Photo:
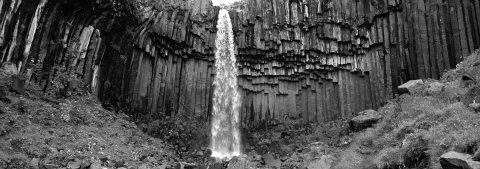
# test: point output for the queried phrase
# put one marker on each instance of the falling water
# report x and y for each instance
(225, 141)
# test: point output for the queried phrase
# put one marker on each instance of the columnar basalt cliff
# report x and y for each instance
(326, 59)
(315, 59)
(144, 56)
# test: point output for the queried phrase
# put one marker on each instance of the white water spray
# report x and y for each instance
(225, 141)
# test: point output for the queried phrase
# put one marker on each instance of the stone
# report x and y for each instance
(435, 88)
(285, 135)
(74, 164)
(454, 160)
(364, 120)
(103, 158)
(96, 165)
(325, 162)
(217, 166)
(10, 68)
(208, 153)
(11, 99)
(152, 159)
(34, 163)
(409, 86)
(119, 163)
(475, 106)
(265, 142)
(476, 155)
(85, 164)
(143, 166)
(17, 85)
(53, 150)
(270, 161)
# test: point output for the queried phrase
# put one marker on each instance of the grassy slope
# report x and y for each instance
(418, 128)
(78, 128)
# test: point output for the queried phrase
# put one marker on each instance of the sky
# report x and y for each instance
(218, 2)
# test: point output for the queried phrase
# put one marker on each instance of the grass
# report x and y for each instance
(75, 128)
(418, 128)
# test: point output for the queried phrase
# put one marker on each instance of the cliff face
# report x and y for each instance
(146, 56)
(315, 59)
(326, 59)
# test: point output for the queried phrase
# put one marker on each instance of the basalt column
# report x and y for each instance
(315, 60)
(320, 60)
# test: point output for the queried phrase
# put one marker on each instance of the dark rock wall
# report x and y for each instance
(326, 59)
(315, 59)
(146, 56)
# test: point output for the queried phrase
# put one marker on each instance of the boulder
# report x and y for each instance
(17, 85)
(476, 156)
(435, 88)
(119, 163)
(409, 86)
(364, 120)
(74, 164)
(9, 100)
(10, 68)
(35, 163)
(96, 165)
(325, 162)
(475, 106)
(454, 160)
(271, 161)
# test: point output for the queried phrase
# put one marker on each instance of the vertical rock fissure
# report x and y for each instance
(225, 142)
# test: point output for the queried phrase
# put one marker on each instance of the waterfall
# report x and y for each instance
(225, 142)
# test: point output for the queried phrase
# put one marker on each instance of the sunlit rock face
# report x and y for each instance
(225, 141)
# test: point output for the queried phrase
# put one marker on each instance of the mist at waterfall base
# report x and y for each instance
(225, 141)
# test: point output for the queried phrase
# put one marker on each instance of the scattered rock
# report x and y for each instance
(453, 160)
(119, 163)
(217, 166)
(265, 142)
(10, 68)
(475, 106)
(435, 88)
(17, 85)
(366, 150)
(285, 135)
(286, 148)
(96, 165)
(47, 164)
(270, 161)
(74, 164)
(467, 80)
(409, 86)
(208, 153)
(152, 159)
(143, 166)
(366, 119)
(476, 156)
(325, 162)
(34, 163)
(344, 141)
(53, 150)
(85, 164)
(103, 158)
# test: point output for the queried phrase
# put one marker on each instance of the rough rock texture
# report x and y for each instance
(148, 55)
(324, 59)
(315, 59)
(454, 160)
(408, 87)
(364, 120)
